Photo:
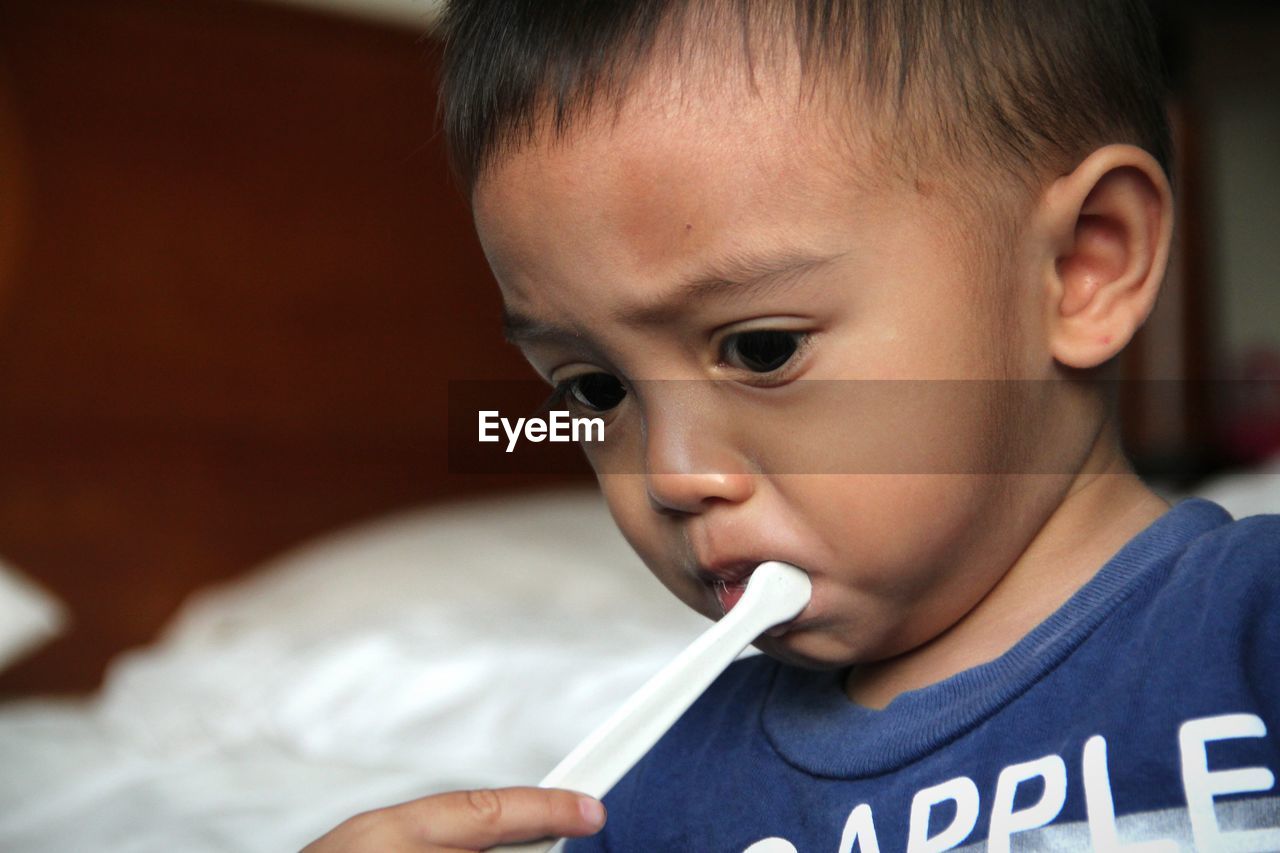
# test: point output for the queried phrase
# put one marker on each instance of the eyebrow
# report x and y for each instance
(520, 328)
(739, 276)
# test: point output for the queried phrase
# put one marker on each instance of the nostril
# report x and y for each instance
(689, 494)
(669, 511)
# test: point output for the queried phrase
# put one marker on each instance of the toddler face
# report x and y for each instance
(690, 271)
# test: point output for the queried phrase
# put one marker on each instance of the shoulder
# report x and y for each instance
(1222, 593)
(1237, 559)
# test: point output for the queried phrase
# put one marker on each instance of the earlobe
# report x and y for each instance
(1111, 225)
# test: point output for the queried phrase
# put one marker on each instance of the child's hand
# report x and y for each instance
(466, 820)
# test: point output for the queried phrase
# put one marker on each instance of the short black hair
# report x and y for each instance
(1029, 86)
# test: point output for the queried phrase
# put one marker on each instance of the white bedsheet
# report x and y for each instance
(438, 649)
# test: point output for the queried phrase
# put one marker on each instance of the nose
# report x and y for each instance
(691, 463)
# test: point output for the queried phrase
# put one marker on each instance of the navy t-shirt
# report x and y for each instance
(1146, 709)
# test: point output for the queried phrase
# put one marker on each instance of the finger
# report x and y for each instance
(484, 817)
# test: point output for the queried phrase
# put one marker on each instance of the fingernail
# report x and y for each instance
(592, 811)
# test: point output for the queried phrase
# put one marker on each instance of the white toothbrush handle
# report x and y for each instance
(597, 763)
(776, 593)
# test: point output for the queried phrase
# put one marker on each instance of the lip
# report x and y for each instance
(728, 572)
(727, 579)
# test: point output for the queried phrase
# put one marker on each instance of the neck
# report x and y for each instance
(1105, 506)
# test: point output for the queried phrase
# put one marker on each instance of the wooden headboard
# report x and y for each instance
(235, 278)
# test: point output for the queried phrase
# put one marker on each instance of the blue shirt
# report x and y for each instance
(1147, 708)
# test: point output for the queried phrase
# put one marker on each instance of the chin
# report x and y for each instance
(809, 650)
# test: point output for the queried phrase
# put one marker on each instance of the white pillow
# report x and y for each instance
(474, 643)
(29, 616)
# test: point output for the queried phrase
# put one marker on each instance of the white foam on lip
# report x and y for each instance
(729, 594)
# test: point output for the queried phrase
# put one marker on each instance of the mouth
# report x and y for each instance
(727, 580)
(729, 592)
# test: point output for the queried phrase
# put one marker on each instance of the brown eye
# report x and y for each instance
(598, 392)
(762, 351)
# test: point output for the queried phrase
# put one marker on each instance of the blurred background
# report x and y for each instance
(235, 280)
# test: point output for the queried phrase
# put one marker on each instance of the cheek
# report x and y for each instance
(653, 538)
(907, 544)
(882, 427)
(640, 525)
(883, 519)
(625, 495)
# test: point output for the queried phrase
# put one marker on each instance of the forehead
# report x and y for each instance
(681, 170)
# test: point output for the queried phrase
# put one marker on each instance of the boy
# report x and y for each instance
(1011, 641)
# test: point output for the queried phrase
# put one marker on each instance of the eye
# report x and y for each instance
(598, 392)
(760, 351)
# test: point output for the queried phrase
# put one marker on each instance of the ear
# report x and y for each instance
(1108, 226)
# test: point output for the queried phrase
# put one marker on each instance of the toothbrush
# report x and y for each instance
(775, 593)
